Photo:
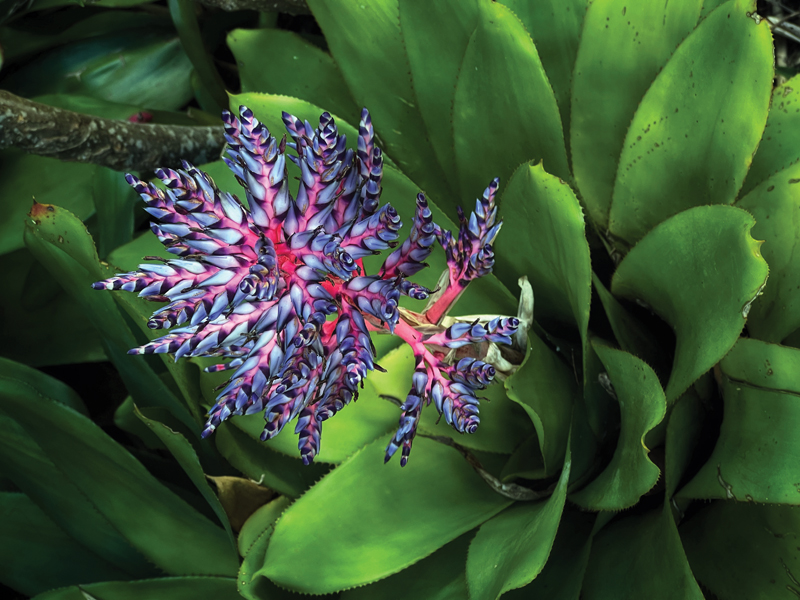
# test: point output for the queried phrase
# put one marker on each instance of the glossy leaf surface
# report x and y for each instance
(758, 449)
(511, 549)
(742, 551)
(502, 75)
(295, 68)
(699, 271)
(642, 406)
(626, 45)
(775, 204)
(672, 159)
(433, 500)
(168, 588)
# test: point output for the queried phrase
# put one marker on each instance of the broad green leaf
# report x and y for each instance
(775, 204)
(437, 577)
(682, 437)
(778, 148)
(511, 549)
(562, 576)
(125, 418)
(160, 525)
(386, 518)
(365, 41)
(18, 374)
(631, 334)
(764, 365)
(166, 588)
(34, 473)
(543, 237)
(699, 271)
(186, 24)
(61, 243)
(41, 324)
(435, 53)
(710, 5)
(640, 557)
(545, 388)
(673, 158)
(262, 464)
(624, 47)
(182, 451)
(504, 111)
(526, 461)
(114, 201)
(253, 542)
(555, 26)
(642, 406)
(758, 448)
(744, 551)
(25, 178)
(23, 39)
(295, 68)
(260, 521)
(31, 541)
(141, 67)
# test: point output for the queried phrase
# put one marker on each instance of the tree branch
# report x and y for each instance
(292, 7)
(121, 145)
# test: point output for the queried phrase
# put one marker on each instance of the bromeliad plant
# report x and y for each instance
(257, 285)
(642, 442)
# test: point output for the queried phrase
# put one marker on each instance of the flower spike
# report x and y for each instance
(277, 288)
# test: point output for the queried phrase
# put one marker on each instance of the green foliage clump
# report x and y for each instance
(644, 445)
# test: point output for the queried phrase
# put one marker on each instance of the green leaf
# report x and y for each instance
(511, 549)
(295, 68)
(61, 243)
(526, 461)
(672, 158)
(543, 237)
(435, 53)
(41, 324)
(710, 5)
(775, 206)
(437, 577)
(144, 67)
(758, 448)
(254, 540)
(545, 388)
(31, 540)
(184, 18)
(25, 463)
(642, 406)
(699, 271)
(631, 334)
(366, 42)
(555, 26)
(168, 588)
(624, 47)
(25, 178)
(386, 519)
(260, 522)
(742, 551)
(260, 463)
(504, 111)
(778, 148)
(114, 200)
(562, 576)
(682, 437)
(183, 452)
(160, 525)
(640, 557)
